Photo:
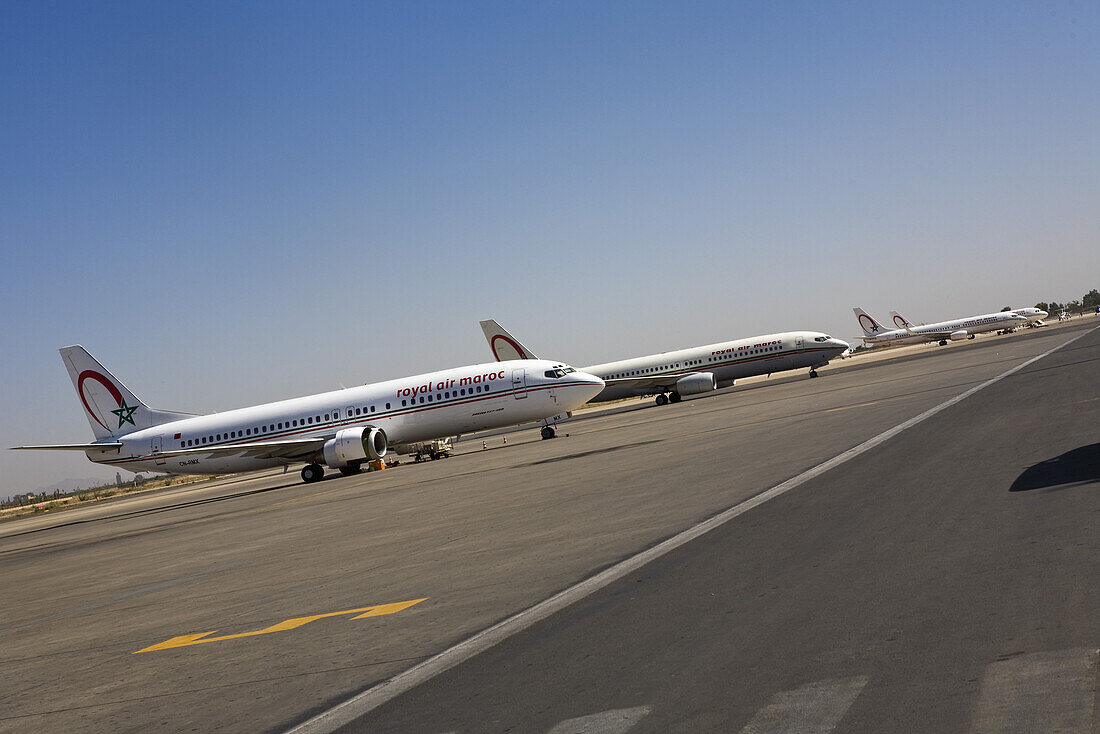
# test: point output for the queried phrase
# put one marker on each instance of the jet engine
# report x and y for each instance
(696, 383)
(958, 335)
(355, 445)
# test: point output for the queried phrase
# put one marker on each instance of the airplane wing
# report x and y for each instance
(653, 382)
(931, 334)
(71, 447)
(291, 448)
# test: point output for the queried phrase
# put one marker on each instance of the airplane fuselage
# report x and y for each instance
(727, 361)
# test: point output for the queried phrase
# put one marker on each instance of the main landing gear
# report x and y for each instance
(548, 432)
(943, 342)
(813, 372)
(351, 469)
(312, 473)
(672, 397)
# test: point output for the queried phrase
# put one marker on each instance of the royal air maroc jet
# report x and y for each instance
(342, 429)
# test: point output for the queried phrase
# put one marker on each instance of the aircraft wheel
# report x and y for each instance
(548, 432)
(943, 343)
(312, 473)
(662, 400)
(674, 397)
(813, 373)
(969, 336)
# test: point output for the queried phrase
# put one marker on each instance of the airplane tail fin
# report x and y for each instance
(109, 405)
(867, 323)
(900, 321)
(504, 345)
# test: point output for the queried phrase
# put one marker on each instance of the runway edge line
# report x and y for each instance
(366, 701)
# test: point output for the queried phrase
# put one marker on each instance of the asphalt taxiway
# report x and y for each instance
(908, 589)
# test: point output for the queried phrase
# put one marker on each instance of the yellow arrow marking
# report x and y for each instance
(199, 638)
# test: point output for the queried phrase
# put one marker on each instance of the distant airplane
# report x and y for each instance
(671, 375)
(342, 429)
(965, 328)
(1034, 316)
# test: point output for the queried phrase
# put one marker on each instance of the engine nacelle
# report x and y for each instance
(353, 445)
(958, 335)
(696, 383)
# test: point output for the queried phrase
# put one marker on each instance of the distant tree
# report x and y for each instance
(1043, 306)
(1073, 306)
(1091, 299)
(1006, 308)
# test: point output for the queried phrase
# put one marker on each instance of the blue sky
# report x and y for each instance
(230, 203)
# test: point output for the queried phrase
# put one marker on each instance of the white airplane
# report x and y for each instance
(957, 329)
(1034, 316)
(671, 375)
(342, 429)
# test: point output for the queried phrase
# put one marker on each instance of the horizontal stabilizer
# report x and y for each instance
(104, 446)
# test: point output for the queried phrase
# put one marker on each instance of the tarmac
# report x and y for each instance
(940, 579)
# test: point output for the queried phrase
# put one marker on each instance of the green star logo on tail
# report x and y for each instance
(125, 414)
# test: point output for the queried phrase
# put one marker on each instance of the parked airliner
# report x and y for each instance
(1032, 316)
(965, 328)
(342, 429)
(671, 375)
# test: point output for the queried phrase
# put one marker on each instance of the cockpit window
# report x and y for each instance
(559, 371)
(822, 338)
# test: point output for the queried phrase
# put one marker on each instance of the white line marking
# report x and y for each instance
(375, 696)
(616, 721)
(812, 709)
(1044, 691)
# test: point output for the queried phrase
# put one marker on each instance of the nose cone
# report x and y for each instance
(1042, 315)
(839, 345)
(577, 388)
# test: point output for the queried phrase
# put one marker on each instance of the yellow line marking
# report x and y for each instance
(199, 638)
(846, 407)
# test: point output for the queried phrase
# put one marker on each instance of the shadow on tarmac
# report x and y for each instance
(1079, 466)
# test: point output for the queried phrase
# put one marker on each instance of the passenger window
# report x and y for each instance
(357, 411)
(319, 417)
(429, 398)
(402, 403)
(387, 406)
(372, 408)
(309, 420)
